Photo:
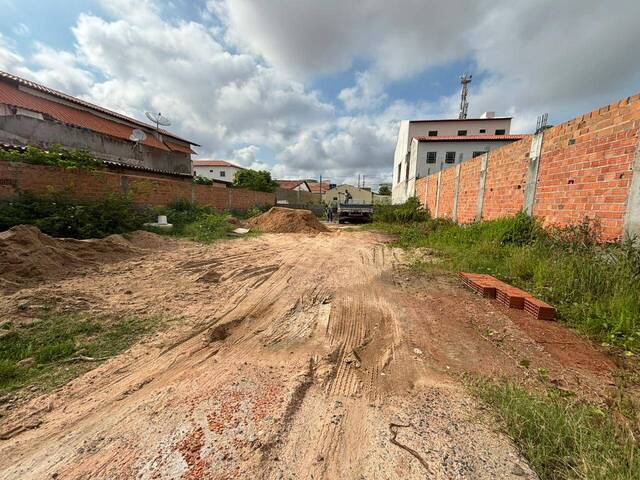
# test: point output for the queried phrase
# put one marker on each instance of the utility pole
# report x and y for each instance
(363, 177)
(465, 80)
(358, 180)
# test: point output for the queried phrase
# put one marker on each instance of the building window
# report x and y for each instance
(210, 171)
(477, 154)
(431, 157)
(223, 173)
(433, 133)
(462, 133)
(483, 130)
(450, 157)
(195, 174)
(500, 131)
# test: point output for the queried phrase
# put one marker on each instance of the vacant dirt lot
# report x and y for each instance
(287, 356)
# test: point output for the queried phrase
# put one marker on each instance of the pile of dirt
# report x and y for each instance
(287, 220)
(28, 256)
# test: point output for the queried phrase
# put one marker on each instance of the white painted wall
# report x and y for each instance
(214, 173)
(464, 151)
(409, 156)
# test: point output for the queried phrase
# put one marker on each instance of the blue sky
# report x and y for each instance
(306, 88)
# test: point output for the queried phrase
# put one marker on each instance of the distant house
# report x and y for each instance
(338, 194)
(317, 187)
(215, 170)
(33, 114)
(295, 185)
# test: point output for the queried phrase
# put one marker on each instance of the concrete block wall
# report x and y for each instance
(142, 188)
(585, 168)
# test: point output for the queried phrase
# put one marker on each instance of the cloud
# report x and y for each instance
(237, 79)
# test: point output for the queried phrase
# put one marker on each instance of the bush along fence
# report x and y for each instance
(140, 187)
(588, 167)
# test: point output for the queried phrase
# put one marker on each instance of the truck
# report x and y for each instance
(354, 213)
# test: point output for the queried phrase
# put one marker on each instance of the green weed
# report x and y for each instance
(561, 437)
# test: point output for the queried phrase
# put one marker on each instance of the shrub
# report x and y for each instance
(407, 212)
(56, 156)
(522, 230)
(60, 216)
(208, 228)
(200, 180)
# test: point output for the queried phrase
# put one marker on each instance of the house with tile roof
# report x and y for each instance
(219, 170)
(33, 114)
(427, 146)
(296, 185)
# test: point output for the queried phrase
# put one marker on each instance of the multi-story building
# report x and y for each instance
(220, 170)
(427, 146)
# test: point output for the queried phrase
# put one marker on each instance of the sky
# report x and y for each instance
(305, 88)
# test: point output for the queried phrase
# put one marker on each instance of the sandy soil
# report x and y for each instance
(286, 356)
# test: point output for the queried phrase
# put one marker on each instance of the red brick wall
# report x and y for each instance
(468, 193)
(586, 167)
(506, 176)
(143, 188)
(447, 189)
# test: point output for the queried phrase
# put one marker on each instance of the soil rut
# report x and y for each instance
(288, 356)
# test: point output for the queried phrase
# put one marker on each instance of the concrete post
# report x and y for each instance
(631, 227)
(426, 192)
(124, 185)
(456, 191)
(435, 215)
(484, 163)
(532, 173)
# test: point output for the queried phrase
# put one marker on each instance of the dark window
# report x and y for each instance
(194, 173)
(500, 131)
(433, 133)
(223, 173)
(450, 157)
(210, 171)
(431, 157)
(477, 154)
(462, 133)
(399, 171)
(482, 130)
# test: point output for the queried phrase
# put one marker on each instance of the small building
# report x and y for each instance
(338, 194)
(319, 187)
(220, 170)
(427, 146)
(295, 185)
(36, 115)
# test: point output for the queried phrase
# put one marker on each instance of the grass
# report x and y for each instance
(47, 346)
(561, 437)
(202, 224)
(595, 287)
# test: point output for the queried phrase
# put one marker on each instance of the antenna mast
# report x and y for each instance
(464, 105)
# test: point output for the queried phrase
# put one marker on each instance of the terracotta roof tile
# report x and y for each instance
(214, 163)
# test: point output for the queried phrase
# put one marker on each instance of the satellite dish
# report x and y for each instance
(137, 135)
(158, 119)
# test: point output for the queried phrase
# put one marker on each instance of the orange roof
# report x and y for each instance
(214, 163)
(315, 187)
(290, 184)
(466, 138)
(11, 94)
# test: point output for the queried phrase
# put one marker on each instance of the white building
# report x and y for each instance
(427, 146)
(215, 170)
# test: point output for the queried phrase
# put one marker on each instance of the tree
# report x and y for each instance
(384, 190)
(259, 180)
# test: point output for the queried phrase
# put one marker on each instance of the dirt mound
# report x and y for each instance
(28, 256)
(287, 220)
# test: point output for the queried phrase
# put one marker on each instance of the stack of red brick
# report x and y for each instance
(512, 297)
